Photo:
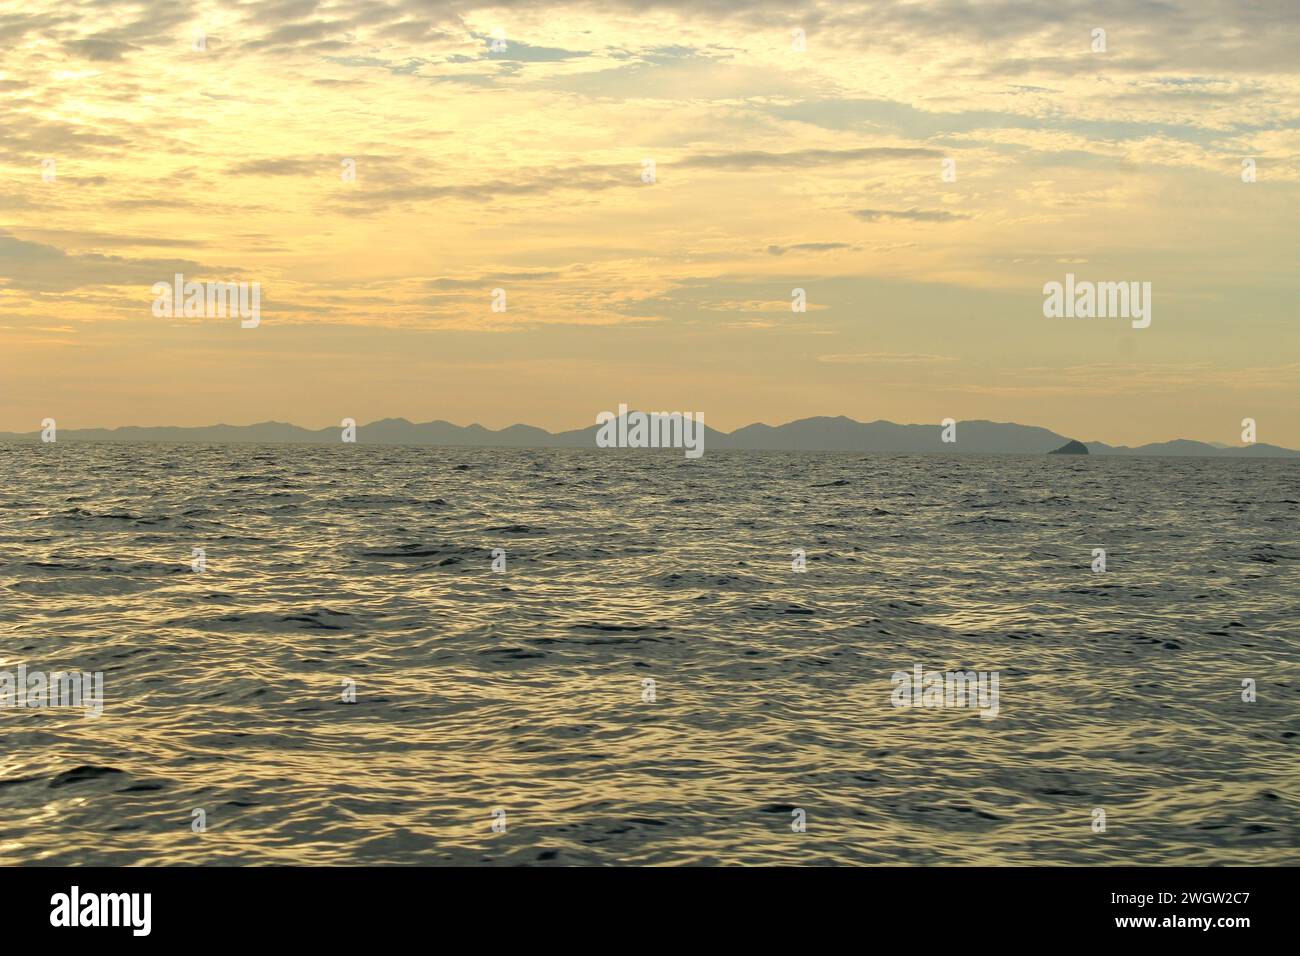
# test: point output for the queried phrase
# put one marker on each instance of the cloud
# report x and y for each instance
(910, 215)
(489, 280)
(885, 358)
(29, 138)
(100, 49)
(34, 266)
(283, 166)
(802, 159)
(82, 238)
(536, 182)
(808, 247)
(292, 34)
(525, 53)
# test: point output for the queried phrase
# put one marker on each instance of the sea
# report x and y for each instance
(366, 655)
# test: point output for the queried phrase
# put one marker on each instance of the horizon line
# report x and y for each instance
(1218, 446)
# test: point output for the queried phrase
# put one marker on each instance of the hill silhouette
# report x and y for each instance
(821, 433)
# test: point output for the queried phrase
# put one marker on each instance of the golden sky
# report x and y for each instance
(521, 168)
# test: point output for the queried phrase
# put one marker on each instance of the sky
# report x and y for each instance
(920, 170)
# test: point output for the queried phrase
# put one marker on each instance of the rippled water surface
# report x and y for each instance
(523, 691)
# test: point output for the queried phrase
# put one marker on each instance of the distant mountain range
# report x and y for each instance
(806, 434)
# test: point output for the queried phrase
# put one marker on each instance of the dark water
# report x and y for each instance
(523, 691)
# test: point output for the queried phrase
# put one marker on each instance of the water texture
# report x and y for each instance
(523, 691)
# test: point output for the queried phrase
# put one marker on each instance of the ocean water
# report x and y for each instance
(524, 692)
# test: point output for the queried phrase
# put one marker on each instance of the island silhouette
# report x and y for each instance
(820, 433)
